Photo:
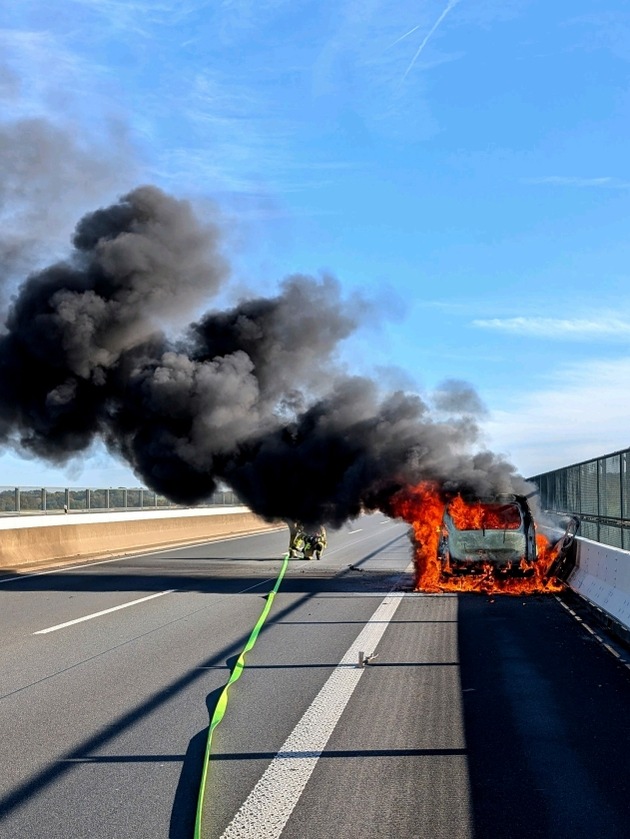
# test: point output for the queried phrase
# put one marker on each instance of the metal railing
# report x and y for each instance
(50, 500)
(597, 491)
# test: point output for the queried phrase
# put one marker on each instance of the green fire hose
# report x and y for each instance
(221, 706)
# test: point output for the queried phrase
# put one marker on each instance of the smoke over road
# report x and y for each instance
(251, 396)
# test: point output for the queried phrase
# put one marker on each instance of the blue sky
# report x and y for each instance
(464, 164)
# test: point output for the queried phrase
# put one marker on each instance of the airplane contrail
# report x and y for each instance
(402, 37)
(449, 6)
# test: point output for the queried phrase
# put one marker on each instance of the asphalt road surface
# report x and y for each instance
(480, 717)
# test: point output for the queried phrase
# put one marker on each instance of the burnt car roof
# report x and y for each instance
(503, 498)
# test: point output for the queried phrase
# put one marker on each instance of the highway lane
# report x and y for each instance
(481, 717)
(125, 692)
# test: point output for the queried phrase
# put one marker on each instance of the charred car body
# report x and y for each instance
(477, 533)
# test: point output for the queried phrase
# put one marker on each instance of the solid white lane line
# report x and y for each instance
(268, 807)
(103, 612)
(358, 530)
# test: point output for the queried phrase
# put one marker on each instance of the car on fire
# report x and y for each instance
(481, 534)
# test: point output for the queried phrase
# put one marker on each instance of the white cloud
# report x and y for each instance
(603, 327)
(560, 180)
(135, 14)
(583, 413)
(41, 67)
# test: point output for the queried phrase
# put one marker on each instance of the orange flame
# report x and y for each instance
(477, 516)
(423, 507)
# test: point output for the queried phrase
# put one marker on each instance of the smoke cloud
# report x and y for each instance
(252, 396)
(47, 173)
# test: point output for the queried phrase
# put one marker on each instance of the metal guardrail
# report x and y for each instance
(16, 501)
(597, 491)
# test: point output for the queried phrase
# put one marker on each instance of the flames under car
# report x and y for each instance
(477, 534)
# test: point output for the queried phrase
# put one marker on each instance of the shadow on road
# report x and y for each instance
(546, 734)
(183, 814)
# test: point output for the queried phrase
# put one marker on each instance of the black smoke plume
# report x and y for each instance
(252, 396)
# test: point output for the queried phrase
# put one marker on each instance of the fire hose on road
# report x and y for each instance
(222, 703)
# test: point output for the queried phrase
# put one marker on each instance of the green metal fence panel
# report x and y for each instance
(573, 488)
(610, 535)
(625, 484)
(597, 491)
(588, 488)
(610, 486)
(51, 500)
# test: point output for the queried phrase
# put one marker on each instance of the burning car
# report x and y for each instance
(478, 535)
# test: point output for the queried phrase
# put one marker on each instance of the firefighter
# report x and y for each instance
(296, 537)
(318, 541)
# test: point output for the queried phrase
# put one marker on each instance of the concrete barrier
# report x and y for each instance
(44, 539)
(602, 576)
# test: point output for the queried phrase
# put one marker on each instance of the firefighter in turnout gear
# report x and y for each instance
(318, 541)
(297, 538)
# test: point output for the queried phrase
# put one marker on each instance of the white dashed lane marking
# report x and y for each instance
(102, 612)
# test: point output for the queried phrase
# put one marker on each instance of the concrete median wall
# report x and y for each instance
(44, 539)
(602, 576)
